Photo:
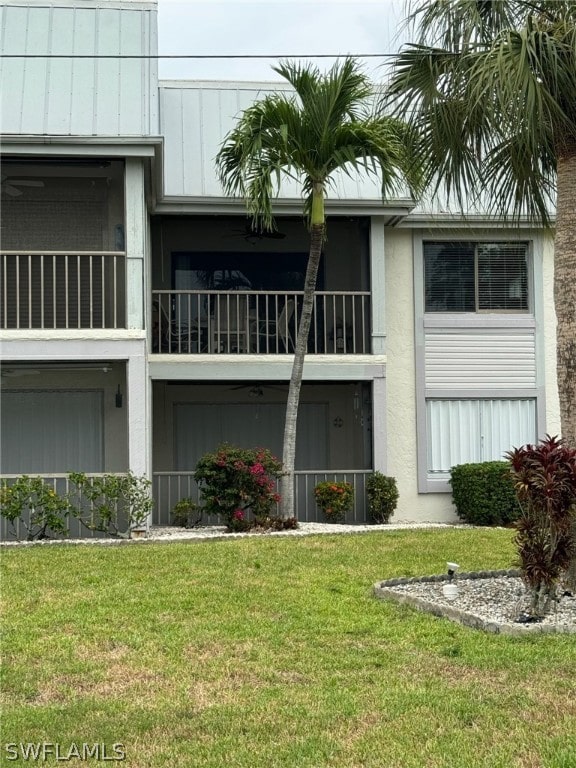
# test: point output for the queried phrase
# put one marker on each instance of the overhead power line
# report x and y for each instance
(194, 56)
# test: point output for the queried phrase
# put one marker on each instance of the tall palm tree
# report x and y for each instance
(323, 126)
(490, 85)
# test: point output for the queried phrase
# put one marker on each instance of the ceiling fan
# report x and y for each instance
(12, 186)
(257, 390)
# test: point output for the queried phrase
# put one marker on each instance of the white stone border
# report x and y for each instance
(384, 590)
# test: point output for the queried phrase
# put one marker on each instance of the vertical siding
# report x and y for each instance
(194, 120)
(79, 96)
(470, 431)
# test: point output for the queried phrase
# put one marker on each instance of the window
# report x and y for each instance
(470, 431)
(475, 277)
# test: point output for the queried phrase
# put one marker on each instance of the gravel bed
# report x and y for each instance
(175, 533)
(496, 602)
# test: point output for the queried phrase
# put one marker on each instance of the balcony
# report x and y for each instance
(258, 322)
(60, 289)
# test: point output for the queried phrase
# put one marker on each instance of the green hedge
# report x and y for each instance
(484, 494)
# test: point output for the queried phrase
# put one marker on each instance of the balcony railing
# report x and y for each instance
(258, 322)
(57, 289)
(169, 487)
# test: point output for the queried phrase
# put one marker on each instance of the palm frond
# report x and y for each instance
(492, 110)
(323, 126)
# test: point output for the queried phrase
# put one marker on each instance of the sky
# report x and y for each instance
(278, 27)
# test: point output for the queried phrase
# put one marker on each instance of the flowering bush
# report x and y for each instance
(36, 506)
(239, 484)
(334, 499)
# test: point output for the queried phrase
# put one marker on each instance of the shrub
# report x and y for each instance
(186, 513)
(382, 493)
(545, 482)
(118, 503)
(36, 505)
(334, 499)
(239, 484)
(483, 494)
(274, 523)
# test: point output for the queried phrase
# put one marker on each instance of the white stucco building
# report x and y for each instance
(143, 323)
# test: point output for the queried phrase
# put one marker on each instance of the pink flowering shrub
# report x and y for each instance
(334, 499)
(239, 485)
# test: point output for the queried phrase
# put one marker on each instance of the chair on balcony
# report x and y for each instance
(275, 335)
(169, 335)
(230, 323)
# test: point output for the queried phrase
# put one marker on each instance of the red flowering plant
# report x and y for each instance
(334, 499)
(239, 485)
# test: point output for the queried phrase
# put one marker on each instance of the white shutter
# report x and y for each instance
(470, 431)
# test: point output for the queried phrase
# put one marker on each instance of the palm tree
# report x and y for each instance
(323, 126)
(490, 85)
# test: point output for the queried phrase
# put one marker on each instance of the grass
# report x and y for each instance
(265, 652)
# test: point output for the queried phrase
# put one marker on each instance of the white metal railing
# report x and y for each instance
(62, 289)
(169, 487)
(261, 322)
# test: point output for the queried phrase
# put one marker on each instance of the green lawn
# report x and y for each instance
(269, 651)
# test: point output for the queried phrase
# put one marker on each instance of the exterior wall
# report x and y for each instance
(401, 387)
(405, 347)
(82, 96)
(194, 119)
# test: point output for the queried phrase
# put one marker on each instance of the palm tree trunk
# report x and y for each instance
(565, 304)
(289, 446)
(565, 291)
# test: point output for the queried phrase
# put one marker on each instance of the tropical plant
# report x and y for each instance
(34, 505)
(117, 503)
(322, 127)
(545, 481)
(239, 484)
(334, 499)
(490, 85)
(382, 494)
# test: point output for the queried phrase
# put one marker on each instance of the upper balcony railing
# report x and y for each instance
(258, 322)
(60, 289)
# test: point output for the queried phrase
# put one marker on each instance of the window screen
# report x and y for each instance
(52, 431)
(475, 277)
